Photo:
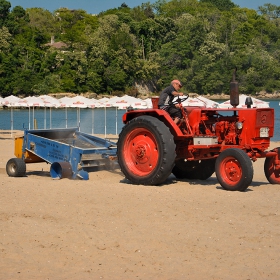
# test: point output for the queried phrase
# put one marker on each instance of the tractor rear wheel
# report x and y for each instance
(234, 170)
(146, 151)
(16, 167)
(272, 173)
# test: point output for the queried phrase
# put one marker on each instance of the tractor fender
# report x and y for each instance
(157, 113)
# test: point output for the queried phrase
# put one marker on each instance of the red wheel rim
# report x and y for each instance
(140, 152)
(231, 171)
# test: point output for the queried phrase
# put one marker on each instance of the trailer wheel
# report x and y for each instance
(201, 170)
(234, 170)
(272, 173)
(146, 151)
(16, 167)
(185, 169)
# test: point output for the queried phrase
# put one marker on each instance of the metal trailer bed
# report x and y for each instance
(71, 153)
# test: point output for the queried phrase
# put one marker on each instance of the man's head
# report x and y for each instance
(176, 84)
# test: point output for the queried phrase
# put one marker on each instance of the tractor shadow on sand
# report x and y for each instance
(212, 181)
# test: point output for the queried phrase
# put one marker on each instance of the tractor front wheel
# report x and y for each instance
(234, 170)
(271, 170)
(146, 151)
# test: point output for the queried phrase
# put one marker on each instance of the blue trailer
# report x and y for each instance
(71, 153)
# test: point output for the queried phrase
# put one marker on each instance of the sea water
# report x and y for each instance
(91, 121)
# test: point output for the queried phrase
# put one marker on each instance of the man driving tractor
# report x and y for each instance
(166, 97)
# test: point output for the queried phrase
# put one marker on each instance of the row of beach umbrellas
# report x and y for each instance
(74, 102)
(119, 102)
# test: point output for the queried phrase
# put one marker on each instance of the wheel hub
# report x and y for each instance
(232, 170)
(141, 154)
(140, 151)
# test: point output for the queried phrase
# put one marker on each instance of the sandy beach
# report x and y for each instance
(106, 228)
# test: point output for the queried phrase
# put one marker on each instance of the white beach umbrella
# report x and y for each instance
(49, 102)
(257, 103)
(119, 102)
(208, 102)
(149, 103)
(74, 102)
(79, 102)
(10, 101)
(65, 102)
(133, 101)
(137, 103)
(1, 100)
(33, 101)
(105, 103)
(192, 101)
(92, 103)
(140, 104)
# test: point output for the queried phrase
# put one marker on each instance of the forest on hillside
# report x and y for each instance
(198, 42)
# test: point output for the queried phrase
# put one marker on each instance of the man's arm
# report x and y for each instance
(176, 93)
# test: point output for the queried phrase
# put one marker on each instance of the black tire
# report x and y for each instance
(271, 173)
(201, 170)
(234, 170)
(205, 169)
(185, 169)
(16, 167)
(146, 151)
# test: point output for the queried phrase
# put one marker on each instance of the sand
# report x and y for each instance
(106, 228)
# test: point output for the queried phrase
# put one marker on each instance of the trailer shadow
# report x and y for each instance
(38, 173)
(47, 173)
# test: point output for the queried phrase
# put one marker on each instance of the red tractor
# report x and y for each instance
(226, 141)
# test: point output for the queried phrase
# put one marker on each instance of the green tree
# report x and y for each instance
(5, 39)
(43, 21)
(4, 11)
(270, 11)
(222, 5)
(17, 20)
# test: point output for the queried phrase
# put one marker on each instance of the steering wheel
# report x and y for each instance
(180, 100)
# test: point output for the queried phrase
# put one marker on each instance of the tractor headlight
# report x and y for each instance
(239, 125)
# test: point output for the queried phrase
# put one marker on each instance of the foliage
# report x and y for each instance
(198, 42)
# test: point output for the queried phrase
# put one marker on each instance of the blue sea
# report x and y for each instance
(92, 121)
